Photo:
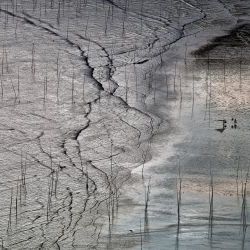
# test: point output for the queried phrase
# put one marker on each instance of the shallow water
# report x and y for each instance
(112, 130)
(192, 140)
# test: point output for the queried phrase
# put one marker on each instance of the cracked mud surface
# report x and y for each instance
(86, 114)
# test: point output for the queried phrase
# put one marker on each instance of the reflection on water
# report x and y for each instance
(199, 187)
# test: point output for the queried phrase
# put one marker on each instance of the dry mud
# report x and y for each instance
(109, 126)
